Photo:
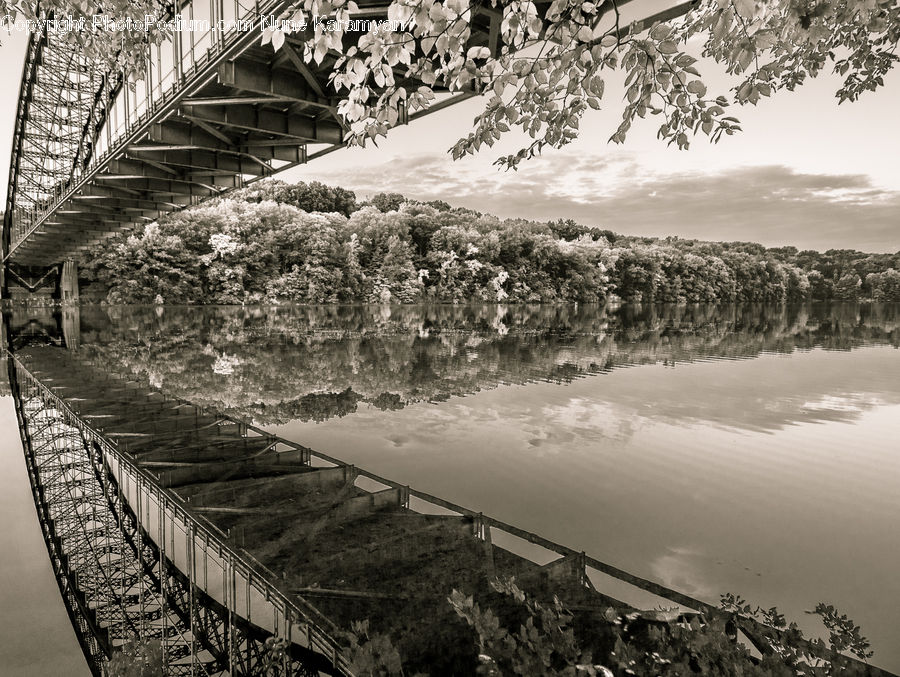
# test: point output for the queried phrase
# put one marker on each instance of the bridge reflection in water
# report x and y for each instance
(166, 521)
(132, 560)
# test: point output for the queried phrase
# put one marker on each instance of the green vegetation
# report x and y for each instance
(517, 634)
(546, 641)
(309, 243)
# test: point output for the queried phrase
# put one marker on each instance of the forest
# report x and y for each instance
(275, 243)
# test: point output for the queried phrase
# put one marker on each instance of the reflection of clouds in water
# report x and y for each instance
(762, 395)
(552, 438)
(681, 568)
(546, 430)
(855, 403)
(765, 395)
(424, 425)
(580, 419)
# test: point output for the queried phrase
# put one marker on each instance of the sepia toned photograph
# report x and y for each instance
(450, 338)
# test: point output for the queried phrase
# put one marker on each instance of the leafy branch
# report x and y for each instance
(549, 65)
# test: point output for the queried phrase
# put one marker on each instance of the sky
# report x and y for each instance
(804, 171)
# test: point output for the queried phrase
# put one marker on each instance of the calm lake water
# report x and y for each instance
(753, 450)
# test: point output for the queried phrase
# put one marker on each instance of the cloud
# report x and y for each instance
(771, 204)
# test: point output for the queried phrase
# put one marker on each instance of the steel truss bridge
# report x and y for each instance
(92, 157)
(156, 515)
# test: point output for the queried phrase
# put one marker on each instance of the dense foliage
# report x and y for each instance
(545, 64)
(309, 243)
(519, 634)
(543, 639)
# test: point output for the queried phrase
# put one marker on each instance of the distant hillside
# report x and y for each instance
(309, 243)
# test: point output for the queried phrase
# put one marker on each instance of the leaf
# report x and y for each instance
(277, 39)
(765, 39)
(320, 51)
(697, 87)
(660, 32)
(746, 8)
(721, 27)
(458, 6)
(667, 47)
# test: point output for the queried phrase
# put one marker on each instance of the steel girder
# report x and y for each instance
(73, 119)
(109, 592)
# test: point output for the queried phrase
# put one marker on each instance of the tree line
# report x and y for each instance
(275, 242)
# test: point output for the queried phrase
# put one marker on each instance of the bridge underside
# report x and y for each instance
(252, 119)
(234, 113)
(94, 156)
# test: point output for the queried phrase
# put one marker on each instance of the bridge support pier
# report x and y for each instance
(68, 282)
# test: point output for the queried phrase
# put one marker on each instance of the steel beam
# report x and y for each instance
(261, 79)
(264, 121)
(174, 135)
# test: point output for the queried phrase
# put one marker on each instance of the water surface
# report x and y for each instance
(714, 449)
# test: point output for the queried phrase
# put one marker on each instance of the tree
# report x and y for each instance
(248, 247)
(387, 202)
(546, 66)
(310, 197)
(137, 268)
(847, 287)
(885, 286)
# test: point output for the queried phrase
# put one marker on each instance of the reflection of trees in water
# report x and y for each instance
(313, 363)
